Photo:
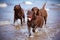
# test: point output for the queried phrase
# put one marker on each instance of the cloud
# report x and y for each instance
(3, 5)
(27, 3)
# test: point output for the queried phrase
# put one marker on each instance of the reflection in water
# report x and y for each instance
(9, 32)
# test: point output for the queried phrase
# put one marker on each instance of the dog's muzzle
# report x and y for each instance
(29, 19)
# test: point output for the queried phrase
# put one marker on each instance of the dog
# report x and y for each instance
(42, 12)
(34, 21)
(19, 13)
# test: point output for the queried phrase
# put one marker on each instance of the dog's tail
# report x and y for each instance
(44, 5)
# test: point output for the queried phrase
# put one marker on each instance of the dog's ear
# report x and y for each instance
(14, 8)
(32, 9)
(38, 9)
(19, 5)
(37, 12)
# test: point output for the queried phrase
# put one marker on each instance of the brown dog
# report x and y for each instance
(18, 13)
(42, 12)
(34, 21)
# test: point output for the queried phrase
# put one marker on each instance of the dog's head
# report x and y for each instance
(30, 15)
(35, 10)
(17, 8)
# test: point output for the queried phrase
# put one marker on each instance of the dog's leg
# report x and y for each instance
(29, 28)
(14, 20)
(21, 21)
(33, 30)
(24, 19)
(45, 19)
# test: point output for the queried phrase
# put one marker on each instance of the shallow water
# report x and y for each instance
(10, 32)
